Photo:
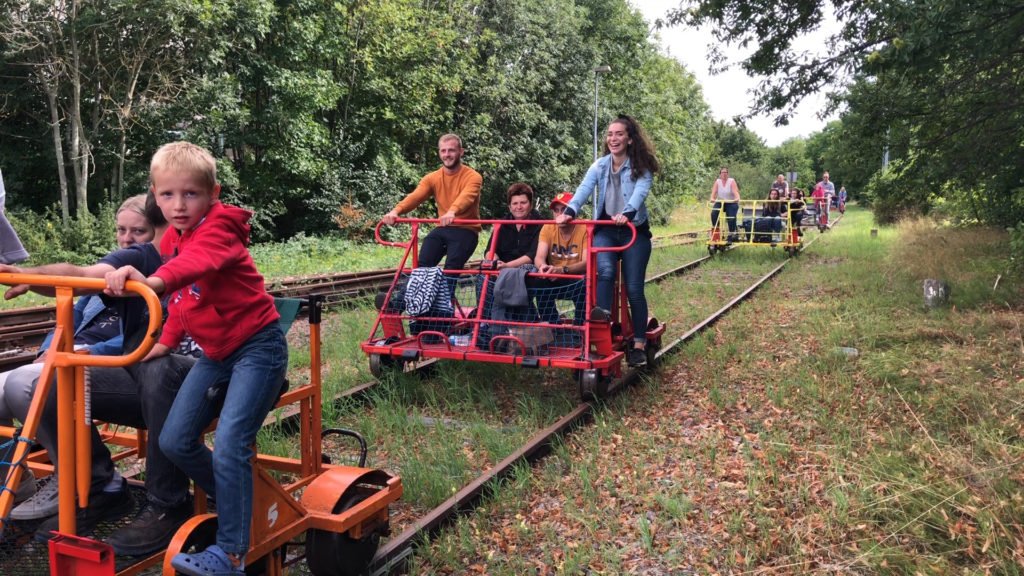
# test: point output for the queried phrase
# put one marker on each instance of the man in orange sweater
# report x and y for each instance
(455, 188)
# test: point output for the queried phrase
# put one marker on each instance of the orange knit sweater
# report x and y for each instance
(459, 192)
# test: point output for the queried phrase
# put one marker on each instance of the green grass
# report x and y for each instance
(799, 458)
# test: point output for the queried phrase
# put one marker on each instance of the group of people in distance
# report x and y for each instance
(221, 352)
(622, 179)
(725, 197)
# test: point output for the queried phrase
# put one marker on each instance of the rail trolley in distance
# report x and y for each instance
(342, 511)
(470, 317)
(752, 228)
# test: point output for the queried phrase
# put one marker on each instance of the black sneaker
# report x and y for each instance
(151, 530)
(636, 357)
(103, 507)
(599, 314)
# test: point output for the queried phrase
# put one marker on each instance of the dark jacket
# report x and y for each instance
(513, 243)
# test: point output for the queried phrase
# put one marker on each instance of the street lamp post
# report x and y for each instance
(597, 78)
(603, 69)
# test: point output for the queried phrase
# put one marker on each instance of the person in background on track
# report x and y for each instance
(725, 195)
(781, 186)
(455, 188)
(818, 196)
(796, 209)
(219, 298)
(773, 211)
(828, 191)
(622, 178)
(842, 199)
(561, 250)
(97, 328)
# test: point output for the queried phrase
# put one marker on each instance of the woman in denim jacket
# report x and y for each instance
(622, 178)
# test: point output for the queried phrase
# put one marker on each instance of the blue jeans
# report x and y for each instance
(547, 292)
(254, 374)
(634, 270)
(731, 208)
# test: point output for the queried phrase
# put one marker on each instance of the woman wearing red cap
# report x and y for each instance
(622, 178)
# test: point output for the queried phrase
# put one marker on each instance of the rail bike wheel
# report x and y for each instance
(334, 554)
(652, 353)
(592, 384)
(380, 365)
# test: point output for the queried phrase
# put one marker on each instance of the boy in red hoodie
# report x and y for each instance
(217, 297)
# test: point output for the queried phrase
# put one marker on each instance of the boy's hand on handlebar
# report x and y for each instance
(389, 218)
(447, 218)
(562, 219)
(619, 219)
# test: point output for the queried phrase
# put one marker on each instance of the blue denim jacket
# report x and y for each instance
(634, 192)
(85, 310)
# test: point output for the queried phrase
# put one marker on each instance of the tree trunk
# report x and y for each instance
(58, 148)
(80, 152)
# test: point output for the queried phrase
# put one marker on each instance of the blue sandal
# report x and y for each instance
(210, 562)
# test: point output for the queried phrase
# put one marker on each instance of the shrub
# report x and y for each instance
(1017, 246)
(83, 240)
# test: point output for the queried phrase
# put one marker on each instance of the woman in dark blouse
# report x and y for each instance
(517, 245)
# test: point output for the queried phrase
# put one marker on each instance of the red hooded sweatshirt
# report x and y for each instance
(216, 295)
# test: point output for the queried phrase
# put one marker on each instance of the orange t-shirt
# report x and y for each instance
(459, 192)
(565, 252)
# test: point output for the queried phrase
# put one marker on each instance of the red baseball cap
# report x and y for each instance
(562, 198)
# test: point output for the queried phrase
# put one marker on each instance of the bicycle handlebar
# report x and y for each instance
(98, 284)
(417, 221)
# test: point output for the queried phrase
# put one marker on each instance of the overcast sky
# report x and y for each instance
(728, 93)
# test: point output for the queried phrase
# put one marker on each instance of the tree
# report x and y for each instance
(93, 61)
(941, 80)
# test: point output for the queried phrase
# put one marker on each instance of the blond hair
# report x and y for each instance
(447, 137)
(186, 156)
(135, 204)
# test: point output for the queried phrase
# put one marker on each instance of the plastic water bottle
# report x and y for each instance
(459, 340)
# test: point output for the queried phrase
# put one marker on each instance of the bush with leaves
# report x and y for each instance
(83, 240)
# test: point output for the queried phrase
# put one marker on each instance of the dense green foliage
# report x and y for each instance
(324, 114)
(939, 83)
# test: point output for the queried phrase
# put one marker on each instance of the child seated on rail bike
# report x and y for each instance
(218, 297)
(562, 249)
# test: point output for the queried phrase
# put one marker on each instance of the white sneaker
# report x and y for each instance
(27, 486)
(45, 503)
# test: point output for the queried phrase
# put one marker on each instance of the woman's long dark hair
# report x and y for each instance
(640, 152)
